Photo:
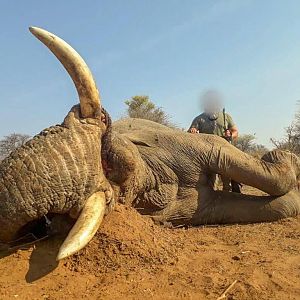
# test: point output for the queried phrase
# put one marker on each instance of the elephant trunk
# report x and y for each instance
(276, 173)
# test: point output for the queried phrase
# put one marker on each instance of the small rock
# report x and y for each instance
(236, 257)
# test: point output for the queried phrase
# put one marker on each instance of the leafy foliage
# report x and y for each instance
(142, 108)
(11, 142)
(291, 140)
(246, 143)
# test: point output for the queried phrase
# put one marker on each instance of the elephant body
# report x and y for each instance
(168, 175)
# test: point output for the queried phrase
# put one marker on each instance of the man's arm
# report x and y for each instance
(194, 128)
(232, 130)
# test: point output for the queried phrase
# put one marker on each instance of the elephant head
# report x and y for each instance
(60, 170)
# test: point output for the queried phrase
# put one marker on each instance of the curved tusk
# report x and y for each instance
(77, 69)
(85, 227)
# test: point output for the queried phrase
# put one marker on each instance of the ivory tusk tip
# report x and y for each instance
(85, 227)
(39, 32)
(77, 69)
(68, 249)
(33, 29)
(63, 254)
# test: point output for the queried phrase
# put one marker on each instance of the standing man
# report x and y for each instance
(214, 121)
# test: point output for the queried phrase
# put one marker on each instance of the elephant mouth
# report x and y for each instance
(78, 234)
(29, 234)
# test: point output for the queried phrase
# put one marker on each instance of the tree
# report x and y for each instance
(11, 142)
(291, 139)
(142, 108)
(246, 143)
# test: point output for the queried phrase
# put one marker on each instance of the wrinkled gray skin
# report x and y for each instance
(55, 172)
(166, 173)
(160, 171)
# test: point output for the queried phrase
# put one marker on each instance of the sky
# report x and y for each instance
(170, 50)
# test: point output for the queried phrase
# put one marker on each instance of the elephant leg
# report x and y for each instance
(181, 209)
(220, 207)
(276, 173)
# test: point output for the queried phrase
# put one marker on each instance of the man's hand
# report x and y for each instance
(193, 130)
(231, 134)
(227, 133)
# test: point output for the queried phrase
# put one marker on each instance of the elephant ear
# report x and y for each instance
(139, 139)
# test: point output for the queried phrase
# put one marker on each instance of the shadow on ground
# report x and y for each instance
(44, 248)
(43, 259)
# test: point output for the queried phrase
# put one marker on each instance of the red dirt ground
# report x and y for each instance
(131, 258)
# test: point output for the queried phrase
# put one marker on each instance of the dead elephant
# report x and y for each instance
(85, 164)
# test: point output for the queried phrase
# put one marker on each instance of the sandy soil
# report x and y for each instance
(131, 258)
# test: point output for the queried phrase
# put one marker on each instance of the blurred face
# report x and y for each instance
(211, 103)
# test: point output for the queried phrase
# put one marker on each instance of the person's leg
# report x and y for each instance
(212, 181)
(226, 183)
(235, 187)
